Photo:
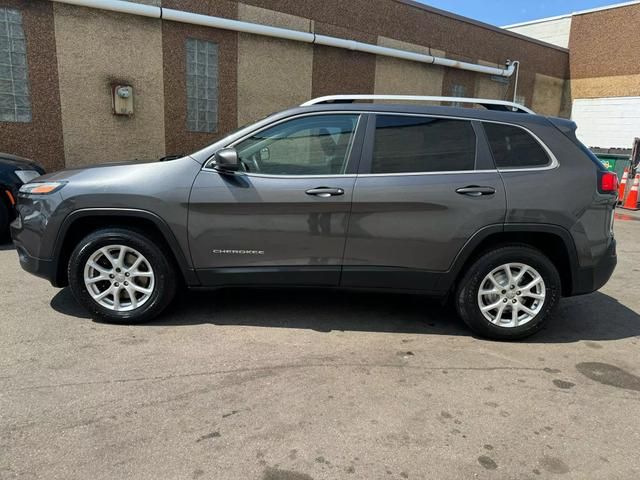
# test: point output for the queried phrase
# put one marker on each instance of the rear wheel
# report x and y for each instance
(121, 276)
(508, 293)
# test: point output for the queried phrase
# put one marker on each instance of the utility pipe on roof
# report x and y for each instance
(284, 33)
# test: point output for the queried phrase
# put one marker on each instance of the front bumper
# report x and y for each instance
(33, 236)
(590, 279)
(44, 268)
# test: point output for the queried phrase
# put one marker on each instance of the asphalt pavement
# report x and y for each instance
(313, 384)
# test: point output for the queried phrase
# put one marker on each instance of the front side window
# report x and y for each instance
(202, 86)
(405, 144)
(15, 102)
(513, 147)
(313, 145)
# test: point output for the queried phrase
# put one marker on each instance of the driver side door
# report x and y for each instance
(283, 218)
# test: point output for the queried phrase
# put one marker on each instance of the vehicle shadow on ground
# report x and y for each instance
(591, 317)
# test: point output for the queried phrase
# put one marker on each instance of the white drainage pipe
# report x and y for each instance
(284, 33)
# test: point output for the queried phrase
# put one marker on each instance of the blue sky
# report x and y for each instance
(505, 12)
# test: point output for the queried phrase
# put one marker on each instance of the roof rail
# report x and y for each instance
(488, 103)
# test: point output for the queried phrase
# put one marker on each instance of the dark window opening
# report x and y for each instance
(405, 144)
(513, 147)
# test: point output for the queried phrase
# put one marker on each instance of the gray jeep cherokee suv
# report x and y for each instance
(502, 211)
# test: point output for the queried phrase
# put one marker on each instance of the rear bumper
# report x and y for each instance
(587, 280)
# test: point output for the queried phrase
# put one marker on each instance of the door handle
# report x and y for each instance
(474, 191)
(325, 192)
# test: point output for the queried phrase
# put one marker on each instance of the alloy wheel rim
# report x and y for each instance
(119, 278)
(511, 295)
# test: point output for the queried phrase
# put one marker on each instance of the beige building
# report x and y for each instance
(82, 85)
(604, 79)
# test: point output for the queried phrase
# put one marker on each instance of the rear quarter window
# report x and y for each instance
(513, 147)
(408, 144)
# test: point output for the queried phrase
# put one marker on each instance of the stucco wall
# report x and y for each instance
(419, 24)
(487, 87)
(273, 74)
(605, 43)
(547, 95)
(95, 50)
(402, 77)
(611, 86)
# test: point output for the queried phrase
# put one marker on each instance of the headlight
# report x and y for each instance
(41, 188)
(26, 176)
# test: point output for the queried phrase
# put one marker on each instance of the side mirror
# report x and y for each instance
(226, 160)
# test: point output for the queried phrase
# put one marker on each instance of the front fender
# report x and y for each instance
(182, 257)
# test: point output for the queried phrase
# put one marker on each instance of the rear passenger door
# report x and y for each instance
(426, 185)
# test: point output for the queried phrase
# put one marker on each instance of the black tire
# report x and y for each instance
(466, 297)
(159, 260)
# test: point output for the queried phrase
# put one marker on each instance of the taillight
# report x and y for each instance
(607, 182)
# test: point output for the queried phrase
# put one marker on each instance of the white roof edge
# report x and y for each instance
(580, 12)
(419, 98)
(538, 20)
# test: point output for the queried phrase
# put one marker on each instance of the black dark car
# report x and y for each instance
(14, 171)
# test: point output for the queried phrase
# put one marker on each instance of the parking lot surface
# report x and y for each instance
(312, 384)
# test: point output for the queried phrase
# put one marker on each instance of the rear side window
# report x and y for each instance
(513, 147)
(405, 144)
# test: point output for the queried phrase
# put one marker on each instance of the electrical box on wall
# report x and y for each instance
(122, 99)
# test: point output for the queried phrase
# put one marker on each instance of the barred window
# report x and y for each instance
(202, 86)
(15, 104)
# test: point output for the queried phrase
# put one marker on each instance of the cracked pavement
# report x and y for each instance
(313, 384)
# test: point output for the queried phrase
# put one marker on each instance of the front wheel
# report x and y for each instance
(121, 276)
(508, 293)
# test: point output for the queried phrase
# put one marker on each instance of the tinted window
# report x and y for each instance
(406, 144)
(314, 145)
(514, 147)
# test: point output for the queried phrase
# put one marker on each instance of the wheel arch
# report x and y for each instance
(552, 240)
(80, 223)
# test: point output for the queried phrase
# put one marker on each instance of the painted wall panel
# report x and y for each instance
(401, 77)
(95, 50)
(547, 95)
(273, 74)
(556, 31)
(489, 87)
(607, 122)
